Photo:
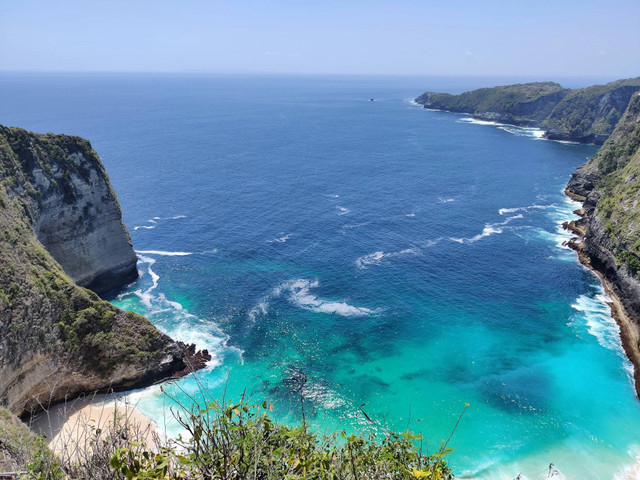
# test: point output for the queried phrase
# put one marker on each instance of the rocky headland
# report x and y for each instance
(62, 240)
(587, 115)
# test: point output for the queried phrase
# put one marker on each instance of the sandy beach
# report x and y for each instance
(70, 428)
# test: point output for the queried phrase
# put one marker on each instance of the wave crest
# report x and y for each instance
(298, 292)
(376, 258)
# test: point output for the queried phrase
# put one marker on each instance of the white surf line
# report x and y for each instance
(154, 222)
(163, 253)
(488, 230)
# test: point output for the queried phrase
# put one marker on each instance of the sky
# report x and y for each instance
(384, 37)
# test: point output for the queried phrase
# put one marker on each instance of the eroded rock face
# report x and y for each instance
(76, 213)
(60, 221)
(589, 115)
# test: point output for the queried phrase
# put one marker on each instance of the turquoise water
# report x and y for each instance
(405, 261)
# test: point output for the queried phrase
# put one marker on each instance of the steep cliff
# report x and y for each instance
(73, 209)
(583, 115)
(60, 222)
(609, 187)
(589, 115)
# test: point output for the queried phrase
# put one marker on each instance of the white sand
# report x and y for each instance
(71, 427)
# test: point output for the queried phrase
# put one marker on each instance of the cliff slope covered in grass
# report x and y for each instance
(60, 223)
(586, 115)
(609, 187)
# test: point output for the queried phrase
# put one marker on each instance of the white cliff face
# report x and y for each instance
(60, 221)
(79, 222)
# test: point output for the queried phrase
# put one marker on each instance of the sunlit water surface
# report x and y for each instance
(405, 261)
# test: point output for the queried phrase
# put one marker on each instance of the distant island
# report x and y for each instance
(586, 115)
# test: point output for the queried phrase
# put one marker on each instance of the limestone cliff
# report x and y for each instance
(586, 115)
(59, 222)
(73, 209)
(609, 187)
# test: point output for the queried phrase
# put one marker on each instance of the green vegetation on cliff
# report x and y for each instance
(58, 339)
(521, 104)
(590, 114)
(616, 171)
(583, 115)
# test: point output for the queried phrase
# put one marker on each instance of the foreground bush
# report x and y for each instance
(237, 441)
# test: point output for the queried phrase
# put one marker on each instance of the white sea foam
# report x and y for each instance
(488, 230)
(476, 121)
(502, 211)
(189, 329)
(632, 470)
(281, 239)
(298, 292)
(431, 243)
(534, 133)
(410, 215)
(356, 225)
(376, 258)
(561, 213)
(163, 253)
(342, 210)
(596, 314)
(154, 222)
(531, 132)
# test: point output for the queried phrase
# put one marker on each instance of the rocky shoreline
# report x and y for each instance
(629, 326)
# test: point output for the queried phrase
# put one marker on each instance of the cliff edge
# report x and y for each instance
(609, 187)
(60, 230)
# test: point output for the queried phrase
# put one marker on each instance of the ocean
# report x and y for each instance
(402, 261)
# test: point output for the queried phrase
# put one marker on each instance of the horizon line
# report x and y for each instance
(306, 74)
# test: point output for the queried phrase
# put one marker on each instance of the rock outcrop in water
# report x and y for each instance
(586, 115)
(609, 187)
(61, 227)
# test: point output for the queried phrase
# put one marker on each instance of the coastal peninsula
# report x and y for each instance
(586, 115)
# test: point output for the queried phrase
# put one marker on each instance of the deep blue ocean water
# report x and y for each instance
(405, 261)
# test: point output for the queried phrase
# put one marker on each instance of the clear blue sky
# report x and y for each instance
(412, 37)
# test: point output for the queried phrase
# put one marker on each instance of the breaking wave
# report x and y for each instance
(298, 292)
(163, 253)
(154, 222)
(488, 230)
(281, 239)
(172, 318)
(376, 258)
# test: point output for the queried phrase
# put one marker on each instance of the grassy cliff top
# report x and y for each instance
(617, 165)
